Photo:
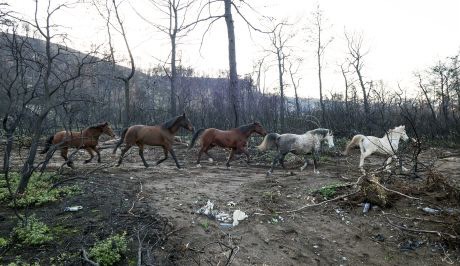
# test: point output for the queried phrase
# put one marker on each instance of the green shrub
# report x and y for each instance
(37, 192)
(34, 232)
(3, 242)
(110, 250)
(328, 191)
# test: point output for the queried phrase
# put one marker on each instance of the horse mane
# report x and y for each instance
(99, 126)
(246, 128)
(320, 131)
(170, 123)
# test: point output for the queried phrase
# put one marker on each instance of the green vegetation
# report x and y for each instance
(205, 224)
(328, 191)
(3, 242)
(34, 232)
(38, 192)
(110, 250)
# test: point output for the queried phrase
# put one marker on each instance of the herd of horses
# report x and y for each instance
(235, 139)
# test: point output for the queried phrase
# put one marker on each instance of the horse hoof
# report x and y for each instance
(229, 167)
(316, 172)
(86, 161)
(210, 160)
(269, 173)
(146, 165)
(198, 166)
(302, 168)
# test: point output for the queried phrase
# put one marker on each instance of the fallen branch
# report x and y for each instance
(138, 198)
(420, 230)
(393, 191)
(321, 203)
(415, 218)
(84, 256)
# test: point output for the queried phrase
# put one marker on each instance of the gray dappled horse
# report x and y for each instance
(310, 142)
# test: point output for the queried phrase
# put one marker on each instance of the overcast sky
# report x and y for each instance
(401, 37)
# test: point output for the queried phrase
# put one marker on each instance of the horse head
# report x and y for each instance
(330, 138)
(259, 129)
(401, 130)
(185, 123)
(106, 129)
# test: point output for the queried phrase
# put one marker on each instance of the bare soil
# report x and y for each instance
(160, 205)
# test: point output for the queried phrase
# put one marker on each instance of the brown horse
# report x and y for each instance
(86, 139)
(161, 135)
(235, 138)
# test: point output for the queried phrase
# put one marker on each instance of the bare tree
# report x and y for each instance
(177, 12)
(321, 45)
(52, 77)
(279, 47)
(295, 83)
(355, 58)
(119, 27)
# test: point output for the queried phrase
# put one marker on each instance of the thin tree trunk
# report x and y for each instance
(232, 61)
(281, 83)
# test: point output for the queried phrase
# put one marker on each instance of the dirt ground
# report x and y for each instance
(161, 203)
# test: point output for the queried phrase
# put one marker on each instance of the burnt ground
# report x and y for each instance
(158, 206)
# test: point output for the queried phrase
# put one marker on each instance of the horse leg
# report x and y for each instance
(361, 161)
(174, 157)
(247, 155)
(141, 153)
(304, 165)
(281, 160)
(230, 157)
(210, 159)
(315, 162)
(88, 149)
(275, 160)
(123, 151)
(166, 156)
(199, 156)
(64, 155)
(98, 154)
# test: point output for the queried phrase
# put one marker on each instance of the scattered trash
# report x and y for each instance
(225, 225)
(430, 210)
(379, 237)
(366, 208)
(410, 245)
(315, 246)
(231, 203)
(238, 216)
(223, 217)
(207, 209)
(73, 208)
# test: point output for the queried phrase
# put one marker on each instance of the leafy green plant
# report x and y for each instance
(109, 250)
(3, 242)
(205, 224)
(33, 232)
(328, 191)
(38, 191)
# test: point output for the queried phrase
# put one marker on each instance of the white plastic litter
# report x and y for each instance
(238, 216)
(73, 208)
(207, 209)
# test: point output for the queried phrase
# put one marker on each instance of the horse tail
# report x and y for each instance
(196, 135)
(49, 141)
(122, 138)
(269, 141)
(356, 140)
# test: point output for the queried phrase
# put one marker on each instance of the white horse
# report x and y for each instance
(387, 145)
(297, 144)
